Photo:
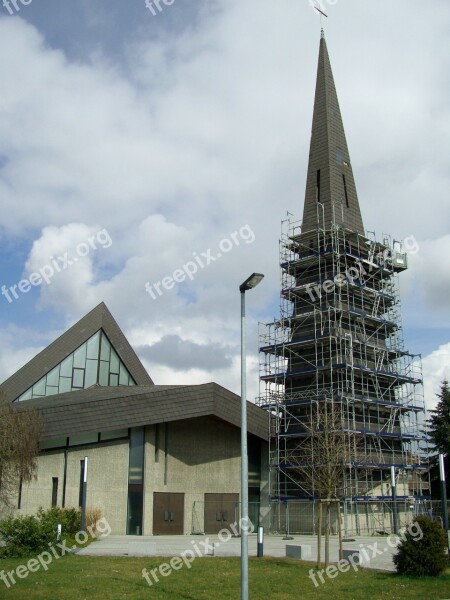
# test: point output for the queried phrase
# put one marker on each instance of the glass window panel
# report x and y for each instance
(105, 348)
(93, 345)
(78, 378)
(53, 377)
(65, 384)
(103, 374)
(51, 390)
(91, 373)
(85, 438)
(67, 366)
(81, 370)
(79, 357)
(39, 388)
(26, 395)
(136, 465)
(112, 435)
(123, 377)
(114, 362)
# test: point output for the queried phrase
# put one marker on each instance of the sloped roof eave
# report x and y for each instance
(103, 409)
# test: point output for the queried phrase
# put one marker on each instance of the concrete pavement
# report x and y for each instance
(375, 552)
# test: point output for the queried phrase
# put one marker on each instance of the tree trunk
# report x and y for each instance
(341, 550)
(327, 534)
(319, 536)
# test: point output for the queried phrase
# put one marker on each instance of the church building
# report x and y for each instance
(162, 459)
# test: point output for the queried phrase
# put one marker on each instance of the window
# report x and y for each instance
(19, 501)
(157, 442)
(318, 186)
(78, 378)
(94, 363)
(345, 191)
(54, 491)
(136, 481)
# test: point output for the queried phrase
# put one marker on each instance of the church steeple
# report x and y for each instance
(330, 177)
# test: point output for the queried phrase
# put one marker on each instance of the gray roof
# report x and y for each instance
(107, 408)
(329, 154)
(68, 342)
(102, 408)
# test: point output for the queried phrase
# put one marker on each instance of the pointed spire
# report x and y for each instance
(330, 176)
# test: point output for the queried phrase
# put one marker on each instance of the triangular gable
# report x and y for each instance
(99, 319)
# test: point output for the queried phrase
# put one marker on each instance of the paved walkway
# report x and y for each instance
(376, 553)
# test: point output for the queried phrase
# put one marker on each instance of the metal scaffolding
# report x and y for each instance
(339, 340)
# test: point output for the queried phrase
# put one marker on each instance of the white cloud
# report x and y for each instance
(431, 269)
(62, 261)
(436, 368)
(195, 135)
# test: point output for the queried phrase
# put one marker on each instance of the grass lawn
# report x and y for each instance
(79, 578)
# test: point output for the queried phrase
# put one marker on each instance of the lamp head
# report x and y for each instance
(251, 282)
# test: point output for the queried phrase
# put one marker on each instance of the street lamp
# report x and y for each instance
(443, 495)
(248, 284)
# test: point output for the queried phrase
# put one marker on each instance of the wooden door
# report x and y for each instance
(221, 511)
(168, 513)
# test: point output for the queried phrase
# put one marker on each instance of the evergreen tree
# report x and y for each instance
(439, 423)
(439, 435)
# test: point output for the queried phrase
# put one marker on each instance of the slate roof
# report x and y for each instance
(107, 408)
(68, 342)
(102, 408)
(329, 154)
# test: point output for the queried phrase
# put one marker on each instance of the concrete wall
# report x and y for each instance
(203, 456)
(107, 481)
(39, 493)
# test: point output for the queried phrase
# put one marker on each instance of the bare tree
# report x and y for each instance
(20, 430)
(322, 462)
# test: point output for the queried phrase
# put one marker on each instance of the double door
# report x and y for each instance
(221, 512)
(168, 513)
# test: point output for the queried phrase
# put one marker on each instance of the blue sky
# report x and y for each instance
(172, 133)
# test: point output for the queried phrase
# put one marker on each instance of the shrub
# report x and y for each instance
(69, 518)
(423, 556)
(25, 535)
(93, 516)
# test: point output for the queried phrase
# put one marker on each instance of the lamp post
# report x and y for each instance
(84, 494)
(394, 501)
(443, 495)
(248, 284)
